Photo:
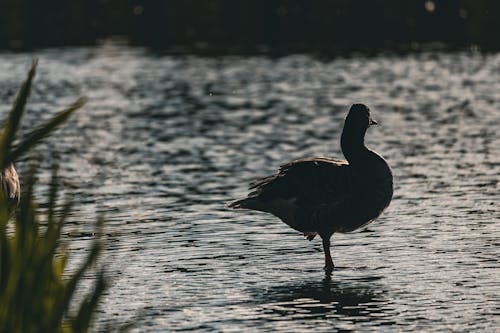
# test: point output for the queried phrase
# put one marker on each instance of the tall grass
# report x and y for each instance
(35, 293)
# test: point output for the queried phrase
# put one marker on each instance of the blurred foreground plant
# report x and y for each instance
(35, 296)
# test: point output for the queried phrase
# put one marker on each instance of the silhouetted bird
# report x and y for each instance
(10, 185)
(322, 195)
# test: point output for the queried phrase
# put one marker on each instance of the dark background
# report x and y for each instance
(253, 26)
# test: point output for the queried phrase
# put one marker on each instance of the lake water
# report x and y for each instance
(165, 141)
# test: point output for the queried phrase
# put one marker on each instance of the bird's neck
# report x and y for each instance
(353, 145)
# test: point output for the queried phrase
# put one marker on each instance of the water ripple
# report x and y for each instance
(166, 141)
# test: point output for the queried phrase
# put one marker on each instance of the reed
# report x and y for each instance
(36, 291)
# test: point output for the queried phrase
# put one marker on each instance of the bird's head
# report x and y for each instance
(359, 117)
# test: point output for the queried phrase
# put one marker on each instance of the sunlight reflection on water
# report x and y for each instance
(166, 141)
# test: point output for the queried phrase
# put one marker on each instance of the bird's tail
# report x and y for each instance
(238, 204)
(250, 202)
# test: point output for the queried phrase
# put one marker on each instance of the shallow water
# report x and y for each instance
(164, 142)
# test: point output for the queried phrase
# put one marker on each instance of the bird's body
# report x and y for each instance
(324, 195)
(10, 184)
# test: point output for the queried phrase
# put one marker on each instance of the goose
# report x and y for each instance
(10, 185)
(323, 195)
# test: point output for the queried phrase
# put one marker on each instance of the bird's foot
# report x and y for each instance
(309, 235)
(328, 270)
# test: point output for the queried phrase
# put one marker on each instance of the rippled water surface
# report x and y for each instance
(165, 141)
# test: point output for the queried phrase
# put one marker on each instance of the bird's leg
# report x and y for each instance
(328, 257)
(310, 235)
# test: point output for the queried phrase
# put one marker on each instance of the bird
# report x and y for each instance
(10, 185)
(323, 195)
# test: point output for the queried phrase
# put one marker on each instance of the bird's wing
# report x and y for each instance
(316, 180)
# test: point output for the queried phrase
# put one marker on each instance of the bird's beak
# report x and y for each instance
(373, 122)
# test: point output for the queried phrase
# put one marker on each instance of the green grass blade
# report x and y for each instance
(77, 276)
(43, 131)
(53, 193)
(12, 124)
(83, 319)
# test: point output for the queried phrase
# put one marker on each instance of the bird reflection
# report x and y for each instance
(358, 299)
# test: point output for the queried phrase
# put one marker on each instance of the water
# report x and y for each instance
(165, 141)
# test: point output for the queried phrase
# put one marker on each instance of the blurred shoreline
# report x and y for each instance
(219, 27)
